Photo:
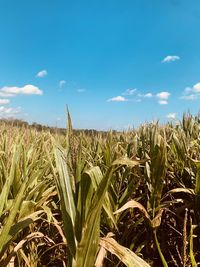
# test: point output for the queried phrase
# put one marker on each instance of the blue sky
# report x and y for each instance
(114, 63)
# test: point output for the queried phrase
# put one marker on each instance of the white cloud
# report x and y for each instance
(2, 94)
(25, 90)
(41, 73)
(196, 88)
(4, 101)
(163, 102)
(171, 116)
(81, 90)
(191, 93)
(117, 99)
(129, 91)
(170, 59)
(163, 95)
(9, 112)
(190, 97)
(62, 83)
(188, 90)
(148, 95)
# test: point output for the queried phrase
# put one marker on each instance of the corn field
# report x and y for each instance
(116, 199)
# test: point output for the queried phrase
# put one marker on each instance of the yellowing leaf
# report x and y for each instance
(129, 258)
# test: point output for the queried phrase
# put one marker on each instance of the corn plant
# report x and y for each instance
(81, 206)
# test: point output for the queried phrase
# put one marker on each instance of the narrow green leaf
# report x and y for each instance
(192, 257)
(88, 246)
(159, 250)
(5, 235)
(68, 209)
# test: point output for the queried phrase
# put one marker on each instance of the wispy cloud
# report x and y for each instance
(171, 116)
(135, 93)
(191, 93)
(41, 73)
(6, 112)
(117, 99)
(169, 59)
(196, 88)
(190, 97)
(130, 91)
(62, 83)
(147, 95)
(28, 89)
(2, 94)
(188, 90)
(141, 96)
(163, 98)
(81, 90)
(4, 101)
(163, 102)
(163, 95)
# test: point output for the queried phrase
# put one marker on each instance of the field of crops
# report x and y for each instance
(103, 199)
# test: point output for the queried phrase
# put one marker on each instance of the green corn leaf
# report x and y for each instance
(6, 188)
(24, 222)
(85, 194)
(192, 257)
(96, 177)
(5, 235)
(88, 246)
(164, 262)
(65, 191)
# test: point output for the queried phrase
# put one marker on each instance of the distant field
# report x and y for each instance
(92, 198)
